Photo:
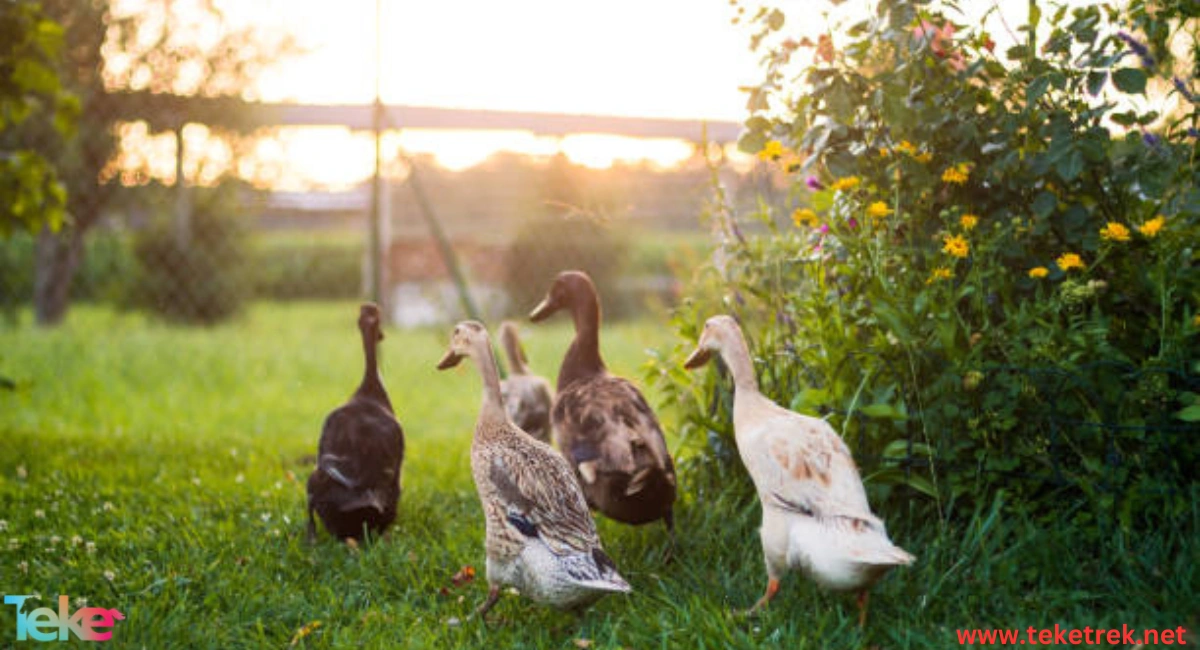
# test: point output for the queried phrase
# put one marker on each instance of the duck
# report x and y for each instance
(356, 484)
(815, 515)
(539, 536)
(526, 395)
(602, 423)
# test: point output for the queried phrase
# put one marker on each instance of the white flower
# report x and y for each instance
(54, 539)
(22, 473)
(233, 451)
(3, 525)
(76, 540)
(23, 566)
(91, 547)
(39, 513)
(196, 481)
(14, 543)
(266, 516)
(240, 478)
(108, 506)
(110, 576)
(80, 602)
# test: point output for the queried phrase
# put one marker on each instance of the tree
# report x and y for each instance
(187, 49)
(30, 194)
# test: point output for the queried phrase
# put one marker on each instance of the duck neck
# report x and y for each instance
(372, 386)
(583, 357)
(512, 349)
(737, 358)
(492, 409)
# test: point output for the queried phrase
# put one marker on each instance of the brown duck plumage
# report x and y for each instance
(356, 484)
(540, 537)
(526, 395)
(601, 422)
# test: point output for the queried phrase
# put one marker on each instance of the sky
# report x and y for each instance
(648, 58)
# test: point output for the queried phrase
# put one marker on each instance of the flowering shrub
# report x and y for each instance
(969, 224)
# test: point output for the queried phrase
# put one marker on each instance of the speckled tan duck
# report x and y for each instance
(540, 537)
(526, 396)
(601, 422)
(815, 511)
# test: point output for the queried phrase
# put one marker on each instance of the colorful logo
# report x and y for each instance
(43, 624)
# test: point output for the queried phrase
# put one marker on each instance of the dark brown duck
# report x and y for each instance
(356, 484)
(601, 422)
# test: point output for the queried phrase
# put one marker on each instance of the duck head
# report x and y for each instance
(570, 288)
(718, 331)
(370, 321)
(464, 340)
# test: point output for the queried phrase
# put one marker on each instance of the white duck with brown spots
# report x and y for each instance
(815, 512)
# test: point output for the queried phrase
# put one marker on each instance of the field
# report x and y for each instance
(159, 470)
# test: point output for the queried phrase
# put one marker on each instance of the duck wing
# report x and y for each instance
(361, 446)
(800, 464)
(604, 425)
(541, 498)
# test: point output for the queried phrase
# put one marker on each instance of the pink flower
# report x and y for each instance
(941, 41)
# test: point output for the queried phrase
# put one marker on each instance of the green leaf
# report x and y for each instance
(1096, 81)
(883, 412)
(1037, 88)
(1044, 203)
(1130, 80)
(1189, 414)
(1070, 168)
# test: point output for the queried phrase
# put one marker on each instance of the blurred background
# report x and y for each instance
(442, 160)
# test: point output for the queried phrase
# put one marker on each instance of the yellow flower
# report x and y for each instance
(878, 210)
(847, 183)
(968, 221)
(924, 157)
(940, 273)
(956, 245)
(1114, 231)
(805, 217)
(1039, 272)
(906, 147)
(883, 152)
(773, 150)
(957, 174)
(1196, 320)
(1151, 227)
(1068, 261)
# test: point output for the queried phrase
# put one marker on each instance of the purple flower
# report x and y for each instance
(824, 229)
(1193, 132)
(813, 183)
(1150, 139)
(1183, 89)
(853, 223)
(1138, 48)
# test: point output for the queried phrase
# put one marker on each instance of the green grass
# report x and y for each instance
(172, 458)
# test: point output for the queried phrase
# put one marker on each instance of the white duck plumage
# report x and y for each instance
(815, 512)
(540, 536)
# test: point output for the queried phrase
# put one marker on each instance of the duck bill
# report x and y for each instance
(543, 310)
(450, 360)
(699, 357)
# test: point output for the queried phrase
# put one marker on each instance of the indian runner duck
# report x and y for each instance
(356, 484)
(815, 512)
(539, 534)
(601, 422)
(526, 395)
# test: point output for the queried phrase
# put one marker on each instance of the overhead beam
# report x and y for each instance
(165, 111)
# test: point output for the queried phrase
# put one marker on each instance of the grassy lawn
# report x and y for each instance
(159, 470)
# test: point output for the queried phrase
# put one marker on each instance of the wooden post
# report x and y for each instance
(183, 208)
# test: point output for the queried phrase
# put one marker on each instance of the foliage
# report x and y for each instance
(287, 269)
(989, 280)
(174, 460)
(199, 279)
(30, 43)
